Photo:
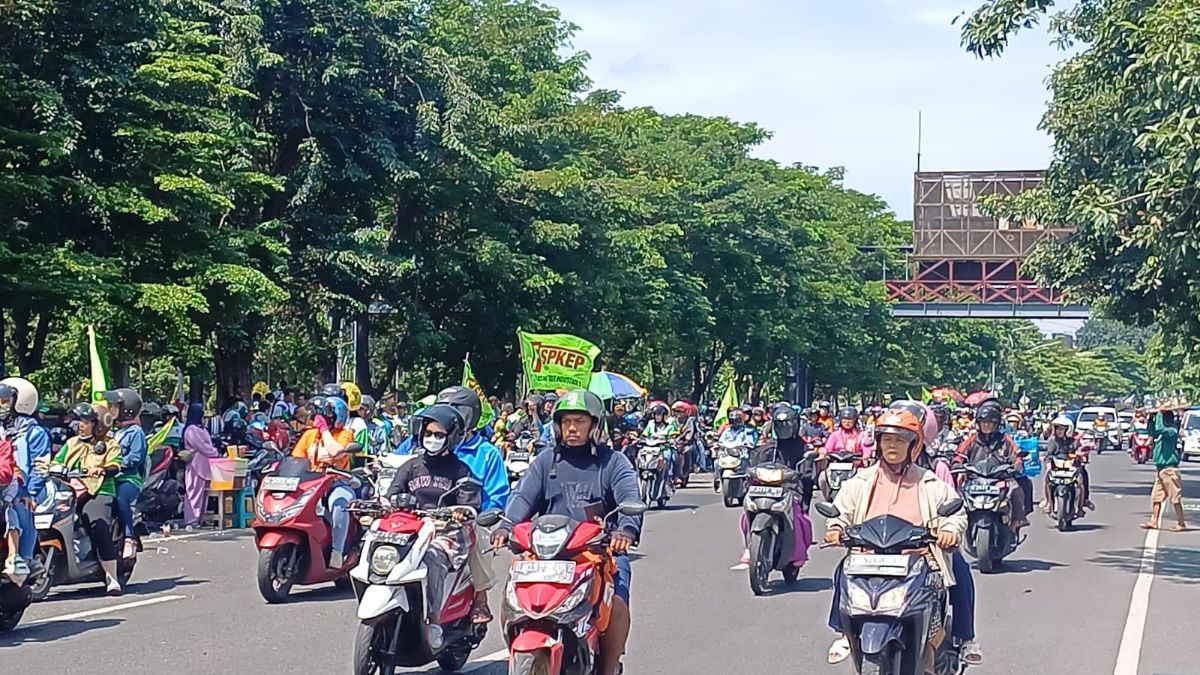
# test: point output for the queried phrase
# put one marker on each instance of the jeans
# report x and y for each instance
(127, 494)
(339, 501)
(703, 459)
(962, 600)
(29, 537)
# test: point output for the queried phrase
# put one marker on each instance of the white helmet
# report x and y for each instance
(1064, 421)
(27, 395)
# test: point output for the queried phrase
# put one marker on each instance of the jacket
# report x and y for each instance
(32, 443)
(570, 483)
(487, 464)
(855, 498)
(857, 441)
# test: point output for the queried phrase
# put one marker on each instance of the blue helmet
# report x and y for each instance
(337, 411)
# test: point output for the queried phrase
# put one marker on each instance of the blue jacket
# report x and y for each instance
(32, 443)
(487, 464)
(568, 483)
(132, 440)
(405, 447)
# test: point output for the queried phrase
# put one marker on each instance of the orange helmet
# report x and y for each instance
(904, 424)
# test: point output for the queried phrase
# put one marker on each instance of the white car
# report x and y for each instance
(1189, 433)
(1087, 422)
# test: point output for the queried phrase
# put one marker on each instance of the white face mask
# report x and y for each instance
(433, 445)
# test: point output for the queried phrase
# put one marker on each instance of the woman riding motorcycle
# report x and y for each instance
(848, 437)
(324, 448)
(126, 405)
(1062, 445)
(95, 453)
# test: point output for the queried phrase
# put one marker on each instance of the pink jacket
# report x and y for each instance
(850, 441)
(196, 439)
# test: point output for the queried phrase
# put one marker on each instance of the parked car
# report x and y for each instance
(1125, 417)
(1189, 433)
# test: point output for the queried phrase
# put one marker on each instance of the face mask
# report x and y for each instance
(433, 445)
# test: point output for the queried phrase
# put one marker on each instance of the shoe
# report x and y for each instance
(16, 569)
(970, 653)
(36, 569)
(435, 637)
(112, 586)
(336, 560)
(745, 557)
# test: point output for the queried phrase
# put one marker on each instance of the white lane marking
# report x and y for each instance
(1135, 623)
(108, 610)
(487, 660)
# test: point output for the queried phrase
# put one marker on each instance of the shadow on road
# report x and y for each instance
(52, 631)
(1178, 565)
(802, 585)
(96, 590)
(1023, 566)
(328, 593)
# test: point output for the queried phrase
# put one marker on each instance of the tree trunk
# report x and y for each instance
(233, 375)
(3, 344)
(362, 354)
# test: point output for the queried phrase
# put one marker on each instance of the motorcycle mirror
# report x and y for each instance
(354, 448)
(632, 508)
(827, 509)
(270, 446)
(950, 508)
(488, 519)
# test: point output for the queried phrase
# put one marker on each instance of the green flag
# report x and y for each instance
(469, 380)
(729, 401)
(556, 361)
(99, 380)
(926, 395)
(156, 441)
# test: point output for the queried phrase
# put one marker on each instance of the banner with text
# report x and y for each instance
(557, 361)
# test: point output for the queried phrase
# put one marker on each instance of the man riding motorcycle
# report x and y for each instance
(826, 416)
(988, 440)
(896, 485)
(1063, 445)
(323, 448)
(688, 439)
(32, 445)
(579, 473)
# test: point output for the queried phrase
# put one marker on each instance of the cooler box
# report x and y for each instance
(224, 471)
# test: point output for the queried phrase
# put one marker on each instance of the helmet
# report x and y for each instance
(824, 405)
(353, 395)
(316, 404)
(941, 412)
(235, 428)
(848, 413)
(466, 401)
(1064, 421)
(903, 424)
(445, 415)
(814, 411)
(337, 412)
(98, 413)
(169, 410)
(550, 397)
(126, 402)
(923, 413)
(680, 405)
(785, 421)
(368, 403)
(989, 413)
(580, 400)
(758, 409)
(25, 400)
(332, 390)
(656, 409)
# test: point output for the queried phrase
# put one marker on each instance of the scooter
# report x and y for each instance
(14, 597)
(293, 538)
(65, 548)
(733, 460)
(989, 538)
(393, 591)
(654, 474)
(778, 529)
(842, 466)
(517, 461)
(387, 466)
(1142, 446)
(893, 605)
(161, 499)
(558, 598)
(1064, 491)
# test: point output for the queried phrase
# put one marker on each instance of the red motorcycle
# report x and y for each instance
(558, 599)
(1142, 446)
(294, 542)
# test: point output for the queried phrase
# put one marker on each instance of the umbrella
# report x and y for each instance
(608, 385)
(979, 397)
(949, 392)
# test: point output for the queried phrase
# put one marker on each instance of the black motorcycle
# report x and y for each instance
(893, 604)
(1064, 492)
(985, 491)
(772, 498)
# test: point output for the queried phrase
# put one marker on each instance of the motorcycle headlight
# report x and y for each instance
(547, 544)
(860, 600)
(384, 558)
(288, 511)
(892, 600)
(768, 475)
(577, 596)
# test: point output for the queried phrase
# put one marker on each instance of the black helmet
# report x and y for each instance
(849, 413)
(659, 408)
(332, 390)
(466, 401)
(785, 421)
(989, 413)
(445, 415)
(942, 412)
(85, 411)
(368, 402)
(126, 402)
(236, 428)
(169, 410)
(315, 404)
(580, 400)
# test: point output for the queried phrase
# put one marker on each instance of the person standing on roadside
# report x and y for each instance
(1167, 485)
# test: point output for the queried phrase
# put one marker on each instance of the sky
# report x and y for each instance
(838, 82)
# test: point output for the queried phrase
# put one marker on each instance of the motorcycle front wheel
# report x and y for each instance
(762, 550)
(530, 663)
(364, 650)
(727, 496)
(276, 573)
(41, 588)
(983, 550)
(876, 664)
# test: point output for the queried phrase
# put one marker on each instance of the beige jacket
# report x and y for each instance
(853, 500)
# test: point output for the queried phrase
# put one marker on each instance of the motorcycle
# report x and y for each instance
(65, 548)
(654, 474)
(14, 597)
(1065, 491)
(161, 499)
(387, 466)
(293, 538)
(989, 538)
(893, 605)
(1101, 439)
(558, 597)
(842, 466)
(1142, 446)
(729, 479)
(778, 529)
(391, 584)
(517, 461)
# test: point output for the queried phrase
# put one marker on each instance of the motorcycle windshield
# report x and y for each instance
(887, 533)
(296, 467)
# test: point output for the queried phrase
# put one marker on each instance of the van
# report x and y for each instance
(1189, 433)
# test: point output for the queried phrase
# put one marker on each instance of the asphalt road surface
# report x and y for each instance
(1107, 598)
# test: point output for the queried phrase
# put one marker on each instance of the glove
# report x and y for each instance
(320, 424)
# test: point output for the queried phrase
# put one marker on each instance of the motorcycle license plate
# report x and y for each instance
(280, 484)
(43, 521)
(984, 489)
(874, 565)
(1063, 475)
(543, 571)
(518, 456)
(841, 466)
(764, 491)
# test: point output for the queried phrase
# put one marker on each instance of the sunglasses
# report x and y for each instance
(437, 434)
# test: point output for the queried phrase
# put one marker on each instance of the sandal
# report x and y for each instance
(970, 653)
(1149, 526)
(1179, 528)
(839, 651)
(480, 613)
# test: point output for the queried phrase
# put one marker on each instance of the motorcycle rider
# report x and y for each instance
(95, 452)
(487, 465)
(579, 474)
(688, 439)
(31, 445)
(661, 426)
(826, 416)
(324, 447)
(790, 446)
(1062, 445)
(813, 428)
(895, 485)
(126, 405)
(988, 440)
(737, 432)
(848, 437)
(434, 471)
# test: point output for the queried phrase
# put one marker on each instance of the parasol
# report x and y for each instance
(609, 385)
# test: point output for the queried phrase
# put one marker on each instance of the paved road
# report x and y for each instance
(193, 606)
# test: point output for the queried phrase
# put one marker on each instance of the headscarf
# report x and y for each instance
(195, 415)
